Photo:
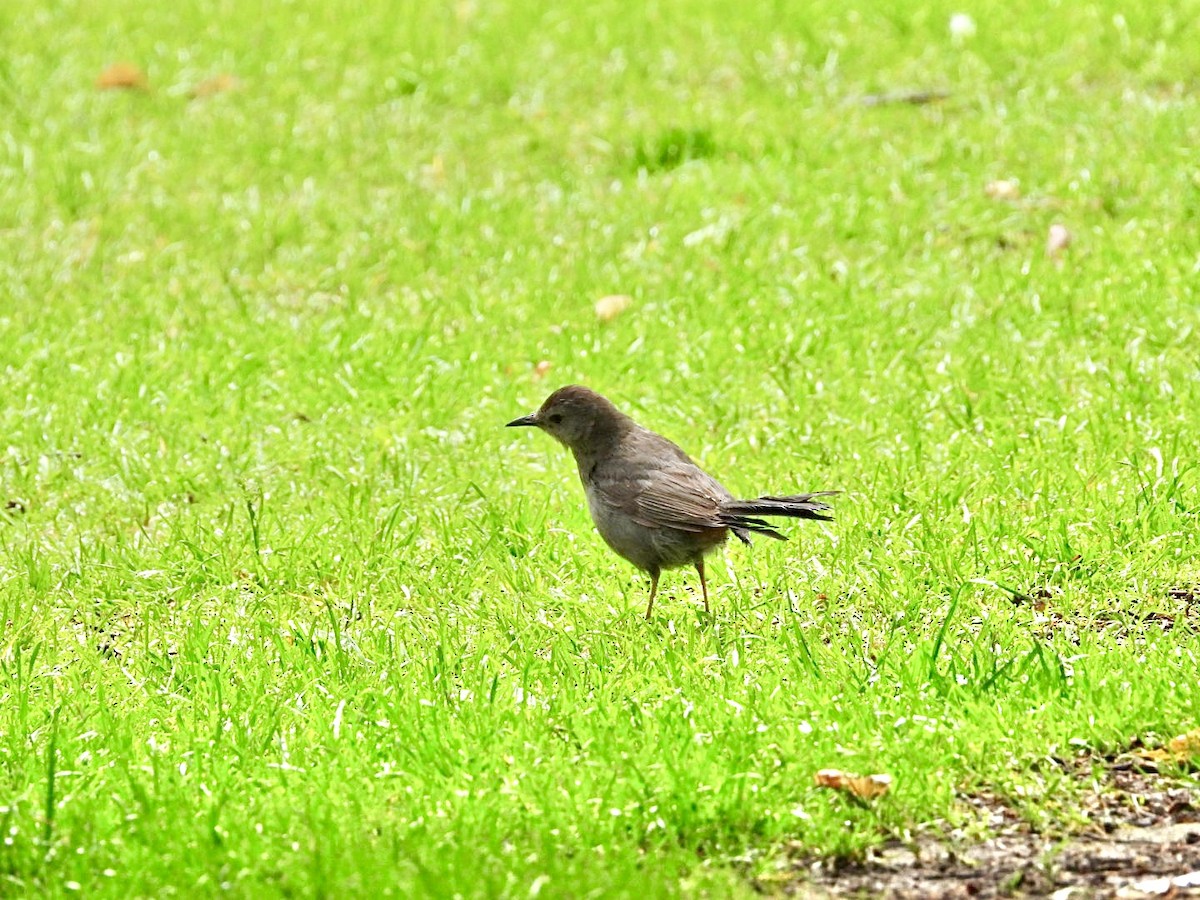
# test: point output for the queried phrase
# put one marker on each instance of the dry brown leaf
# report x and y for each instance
(1186, 746)
(540, 370)
(1180, 749)
(865, 787)
(122, 75)
(1003, 189)
(1057, 240)
(608, 308)
(218, 84)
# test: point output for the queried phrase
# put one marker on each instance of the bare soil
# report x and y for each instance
(1142, 840)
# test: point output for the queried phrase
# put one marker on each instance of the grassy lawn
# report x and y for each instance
(285, 610)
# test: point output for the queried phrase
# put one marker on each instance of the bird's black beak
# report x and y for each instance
(530, 419)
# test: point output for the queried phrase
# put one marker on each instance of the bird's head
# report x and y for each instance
(575, 416)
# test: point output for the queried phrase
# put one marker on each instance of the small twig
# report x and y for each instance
(912, 98)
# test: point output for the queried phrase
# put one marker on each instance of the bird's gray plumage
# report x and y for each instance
(650, 502)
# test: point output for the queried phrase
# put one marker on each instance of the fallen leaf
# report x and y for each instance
(122, 76)
(1003, 189)
(865, 787)
(540, 370)
(1179, 750)
(608, 308)
(218, 84)
(1057, 241)
(1187, 745)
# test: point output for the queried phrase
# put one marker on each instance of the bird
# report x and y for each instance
(650, 502)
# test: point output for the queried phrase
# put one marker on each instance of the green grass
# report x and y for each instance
(285, 611)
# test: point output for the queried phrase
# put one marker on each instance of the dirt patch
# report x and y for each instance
(1142, 840)
(1187, 594)
(1137, 862)
(1048, 620)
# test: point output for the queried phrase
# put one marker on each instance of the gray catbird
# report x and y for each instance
(650, 502)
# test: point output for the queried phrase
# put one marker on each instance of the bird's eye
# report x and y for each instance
(555, 418)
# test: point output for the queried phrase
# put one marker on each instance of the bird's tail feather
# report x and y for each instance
(796, 506)
(744, 526)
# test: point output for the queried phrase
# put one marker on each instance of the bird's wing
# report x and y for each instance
(676, 495)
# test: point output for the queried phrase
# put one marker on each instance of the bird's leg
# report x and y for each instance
(703, 586)
(653, 591)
